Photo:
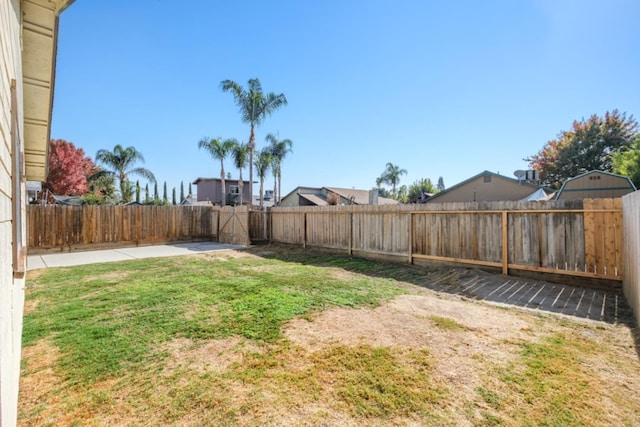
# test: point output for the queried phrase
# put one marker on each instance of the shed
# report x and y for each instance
(595, 185)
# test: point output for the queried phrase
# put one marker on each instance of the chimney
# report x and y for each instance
(373, 196)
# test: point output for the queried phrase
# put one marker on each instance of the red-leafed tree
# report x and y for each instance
(68, 169)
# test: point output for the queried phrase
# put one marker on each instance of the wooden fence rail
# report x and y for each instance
(573, 238)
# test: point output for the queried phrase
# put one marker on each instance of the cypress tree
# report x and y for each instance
(137, 191)
(181, 191)
(146, 193)
(164, 192)
(174, 196)
(155, 191)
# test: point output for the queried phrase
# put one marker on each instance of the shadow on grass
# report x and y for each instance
(603, 305)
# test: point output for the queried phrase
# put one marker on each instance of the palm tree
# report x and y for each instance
(391, 175)
(121, 161)
(279, 150)
(262, 163)
(254, 107)
(239, 152)
(219, 150)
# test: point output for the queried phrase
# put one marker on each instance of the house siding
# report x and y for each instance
(11, 290)
(496, 190)
(211, 190)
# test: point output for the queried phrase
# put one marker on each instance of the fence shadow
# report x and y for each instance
(603, 305)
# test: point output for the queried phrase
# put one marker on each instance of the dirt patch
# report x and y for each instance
(112, 275)
(210, 356)
(30, 306)
(230, 254)
(38, 379)
(406, 323)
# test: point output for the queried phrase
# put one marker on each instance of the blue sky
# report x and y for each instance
(439, 88)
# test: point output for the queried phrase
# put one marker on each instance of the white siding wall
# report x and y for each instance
(11, 290)
(631, 223)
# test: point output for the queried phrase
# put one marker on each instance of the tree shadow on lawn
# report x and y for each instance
(608, 306)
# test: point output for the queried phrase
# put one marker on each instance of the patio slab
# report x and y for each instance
(68, 259)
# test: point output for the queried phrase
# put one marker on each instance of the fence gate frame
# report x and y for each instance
(233, 225)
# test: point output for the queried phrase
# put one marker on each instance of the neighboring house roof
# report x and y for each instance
(198, 180)
(318, 196)
(360, 197)
(537, 195)
(191, 201)
(315, 199)
(267, 203)
(595, 184)
(519, 189)
(67, 200)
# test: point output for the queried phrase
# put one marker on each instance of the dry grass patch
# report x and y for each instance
(209, 356)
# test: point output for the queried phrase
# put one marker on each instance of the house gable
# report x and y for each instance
(486, 186)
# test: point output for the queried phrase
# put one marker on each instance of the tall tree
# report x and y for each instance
(219, 150)
(440, 186)
(279, 150)
(589, 145)
(391, 176)
(137, 191)
(181, 191)
(190, 190)
(420, 188)
(240, 152)
(164, 192)
(146, 193)
(254, 106)
(262, 163)
(627, 162)
(155, 192)
(173, 197)
(69, 169)
(120, 163)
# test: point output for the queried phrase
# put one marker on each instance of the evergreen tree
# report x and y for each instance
(137, 191)
(440, 185)
(155, 191)
(190, 190)
(181, 191)
(146, 193)
(164, 192)
(174, 196)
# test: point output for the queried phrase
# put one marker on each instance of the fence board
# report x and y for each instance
(631, 252)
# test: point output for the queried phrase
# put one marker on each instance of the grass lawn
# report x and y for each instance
(280, 336)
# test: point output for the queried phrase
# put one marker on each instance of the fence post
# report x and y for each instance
(410, 227)
(270, 217)
(304, 230)
(350, 233)
(505, 240)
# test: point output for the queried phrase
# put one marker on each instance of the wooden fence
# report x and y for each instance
(570, 238)
(631, 253)
(55, 227)
(573, 238)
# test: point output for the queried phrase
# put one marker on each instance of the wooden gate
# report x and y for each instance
(234, 225)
